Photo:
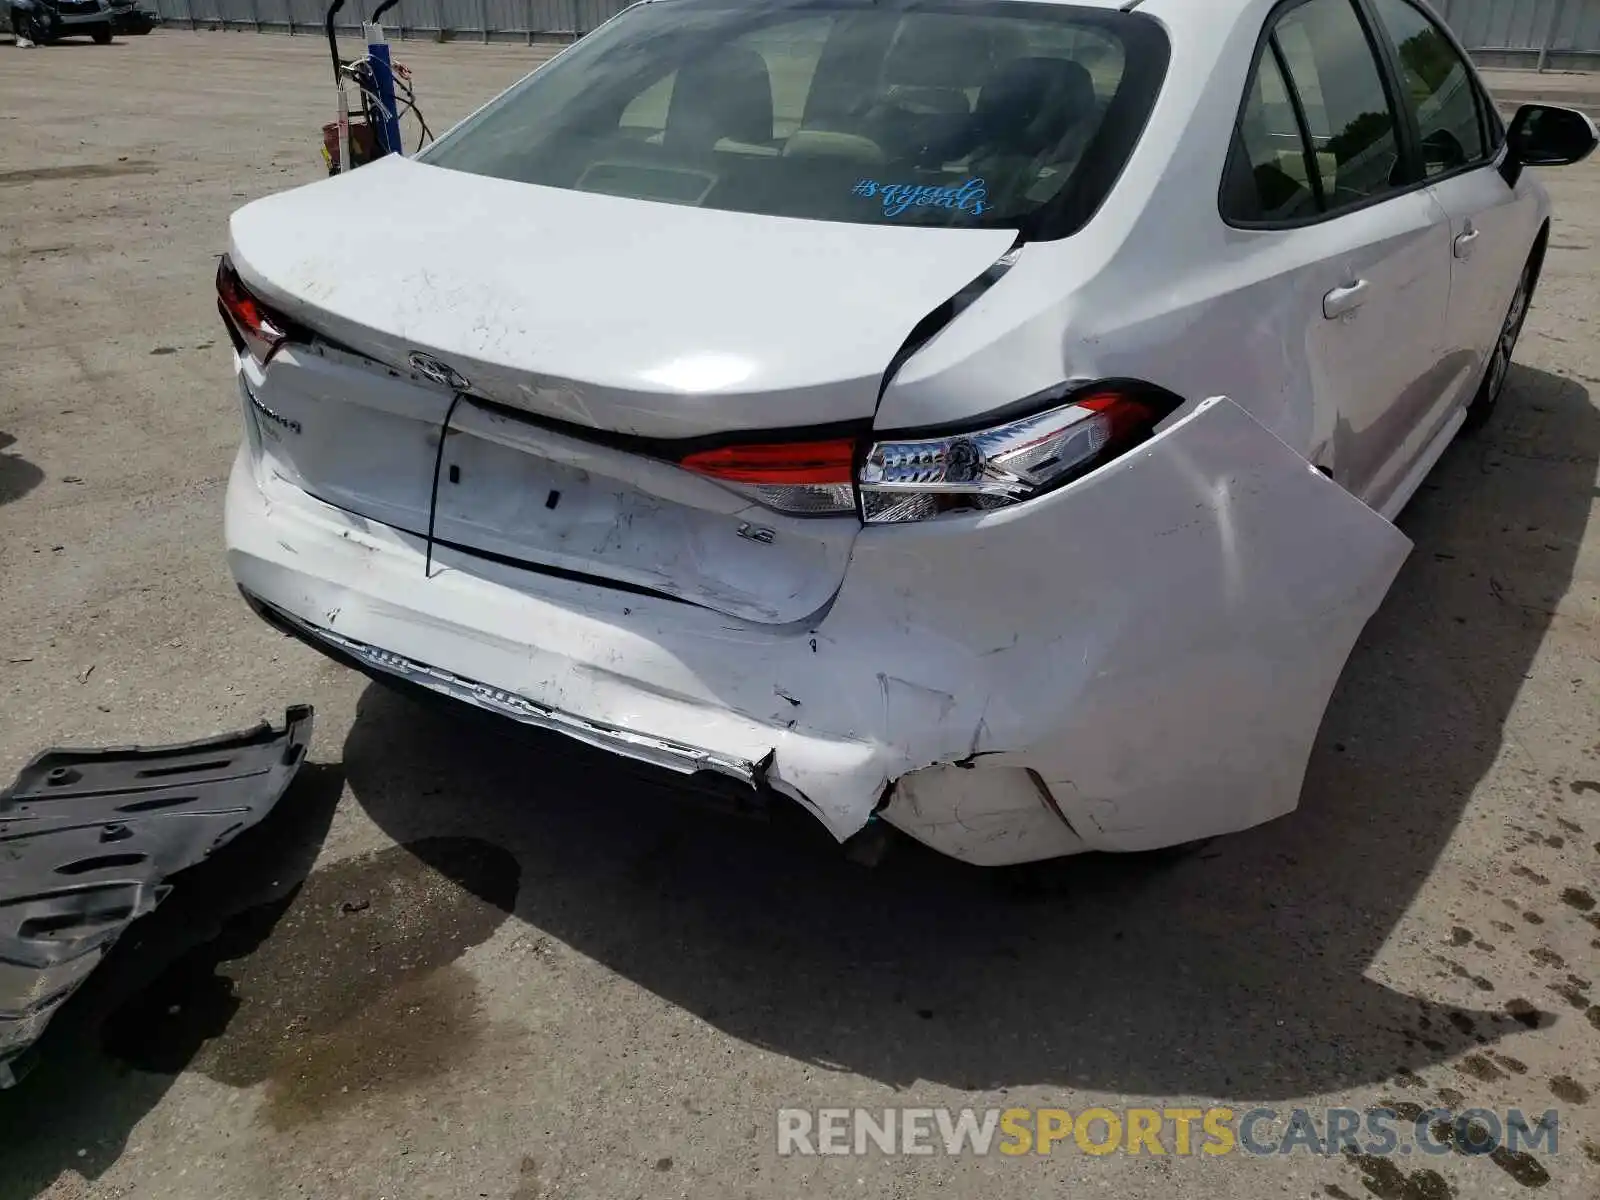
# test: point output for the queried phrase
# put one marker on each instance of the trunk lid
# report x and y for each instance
(625, 315)
(611, 315)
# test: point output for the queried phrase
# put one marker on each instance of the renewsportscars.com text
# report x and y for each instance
(1176, 1131)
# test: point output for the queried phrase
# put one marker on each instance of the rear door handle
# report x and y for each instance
(1463, 244)
(1344, 299)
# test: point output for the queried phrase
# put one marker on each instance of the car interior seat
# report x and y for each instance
(1032, 107)
(725, 96)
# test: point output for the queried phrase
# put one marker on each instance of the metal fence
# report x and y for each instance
(1560, 34)
(467, 20)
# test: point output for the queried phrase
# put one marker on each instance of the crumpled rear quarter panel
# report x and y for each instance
(1158, 641)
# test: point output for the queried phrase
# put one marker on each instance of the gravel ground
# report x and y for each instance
(452, 965)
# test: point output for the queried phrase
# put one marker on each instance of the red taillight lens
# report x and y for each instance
(804, 478)
(796, 462)
(252, 325)
(1128, 418)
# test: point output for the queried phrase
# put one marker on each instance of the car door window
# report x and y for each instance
(1317, 132)
(1353, 129)
(1438, 88)
(1269, 174)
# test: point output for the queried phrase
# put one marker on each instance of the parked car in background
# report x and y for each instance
(43, 21)
(987, 418)
(128, 19)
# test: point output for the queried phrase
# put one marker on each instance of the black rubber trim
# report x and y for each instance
(433, 496)
(1301, 122)
(934, 322)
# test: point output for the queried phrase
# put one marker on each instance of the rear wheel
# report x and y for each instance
(1505, 345)
(102, 35)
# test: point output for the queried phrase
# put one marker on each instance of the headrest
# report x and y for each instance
(1032, 102)
(939, 51)
(725, 94)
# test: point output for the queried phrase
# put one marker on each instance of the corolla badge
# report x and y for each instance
(443, 373)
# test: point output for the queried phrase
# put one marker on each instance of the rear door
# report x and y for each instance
(1461, 141)
(1322, 164)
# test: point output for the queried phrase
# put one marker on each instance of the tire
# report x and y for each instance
(102, 35)
(1505, 345)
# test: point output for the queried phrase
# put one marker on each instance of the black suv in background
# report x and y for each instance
(41, 21)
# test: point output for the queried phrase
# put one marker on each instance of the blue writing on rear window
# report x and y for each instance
(970, 197)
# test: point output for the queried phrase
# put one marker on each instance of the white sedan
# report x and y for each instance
(983, 417)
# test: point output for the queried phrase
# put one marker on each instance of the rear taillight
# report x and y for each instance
(913, 478)
(808, 479)
(251, 324)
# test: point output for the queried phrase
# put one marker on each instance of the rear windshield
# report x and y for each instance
(967, 115)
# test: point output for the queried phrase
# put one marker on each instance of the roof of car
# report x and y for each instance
(1091, 3)
(1229, 10)
(1182, 9)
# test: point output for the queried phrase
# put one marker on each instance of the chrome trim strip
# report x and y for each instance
(662, 752)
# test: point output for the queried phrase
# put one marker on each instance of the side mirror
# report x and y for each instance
(1542, 135)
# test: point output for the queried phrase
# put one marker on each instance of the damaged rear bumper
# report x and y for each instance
(662, 752)
(88, 838)
(1138, 659)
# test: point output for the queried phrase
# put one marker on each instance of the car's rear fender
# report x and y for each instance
(1156, 642)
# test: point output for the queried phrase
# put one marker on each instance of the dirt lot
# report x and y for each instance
(513, 974)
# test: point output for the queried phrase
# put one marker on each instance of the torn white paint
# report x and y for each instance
(1156, 641)
(981, 814)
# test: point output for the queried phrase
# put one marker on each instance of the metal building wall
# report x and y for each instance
(465, 20)
(1561, 34)
(1557, 33)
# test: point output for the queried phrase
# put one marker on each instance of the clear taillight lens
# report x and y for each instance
(911, 479)
(914, 478)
